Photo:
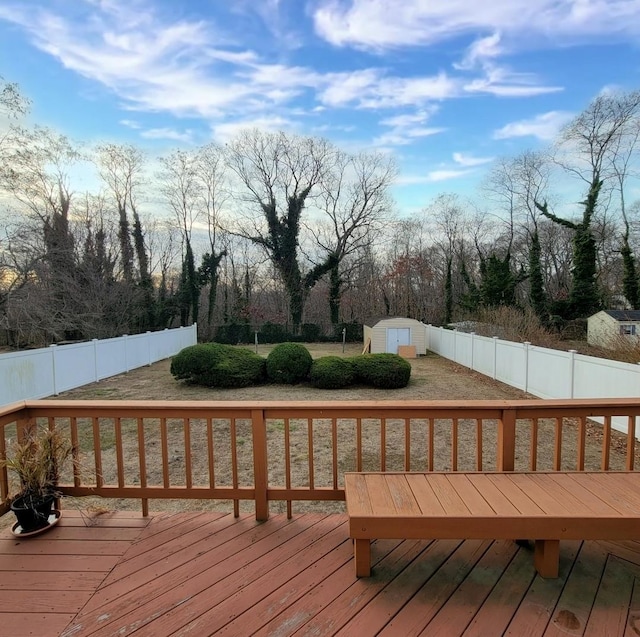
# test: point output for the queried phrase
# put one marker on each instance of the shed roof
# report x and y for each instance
(624, 315)
(373, 321)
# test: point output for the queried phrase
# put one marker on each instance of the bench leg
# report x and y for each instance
(547, 557)
(362, 555)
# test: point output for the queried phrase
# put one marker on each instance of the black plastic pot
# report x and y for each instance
(32, 514)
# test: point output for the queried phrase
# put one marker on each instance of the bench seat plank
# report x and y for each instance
(544, 507)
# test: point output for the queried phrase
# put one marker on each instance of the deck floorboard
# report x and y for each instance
(211, 574)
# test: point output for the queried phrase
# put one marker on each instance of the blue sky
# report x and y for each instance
(446, 85)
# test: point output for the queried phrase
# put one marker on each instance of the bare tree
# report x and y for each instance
(279, 174)
(592, 139)
(210, 173)
(356, 203)
(181, 188)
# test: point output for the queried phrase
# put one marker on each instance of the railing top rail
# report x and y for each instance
(330, 405)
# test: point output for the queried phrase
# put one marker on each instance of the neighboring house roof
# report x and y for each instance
(624, 315)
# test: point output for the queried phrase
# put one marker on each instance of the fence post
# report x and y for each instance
(472, 346)
(260, 473)
(53, 348)
(455, 345)
(126, 352)
(526, 346)
(572, 365)
(95, 358)
(495, 357)
(507, 440)
(148, 348)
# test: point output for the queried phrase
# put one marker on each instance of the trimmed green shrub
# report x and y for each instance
(288, 363)
(217, 365)
(383, 371)
(332, 372)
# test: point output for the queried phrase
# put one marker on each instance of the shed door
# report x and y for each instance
(397, 336)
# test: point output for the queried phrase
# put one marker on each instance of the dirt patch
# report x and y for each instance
(433, 378)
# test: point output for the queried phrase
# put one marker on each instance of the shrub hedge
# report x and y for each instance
(218, 365)
(288, 363)
(332, 372)
(382, 371)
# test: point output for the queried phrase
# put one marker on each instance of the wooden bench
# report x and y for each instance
(545, 507)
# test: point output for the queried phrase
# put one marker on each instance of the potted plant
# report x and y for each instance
(36, 461)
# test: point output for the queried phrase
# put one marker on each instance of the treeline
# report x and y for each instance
(294, 233)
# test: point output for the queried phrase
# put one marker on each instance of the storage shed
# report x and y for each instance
(387, 334)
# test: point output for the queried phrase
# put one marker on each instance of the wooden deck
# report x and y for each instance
(210, 574)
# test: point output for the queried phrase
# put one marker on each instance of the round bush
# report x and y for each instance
(383, 371)
(217, 365)
(332, 372)
(288, 363)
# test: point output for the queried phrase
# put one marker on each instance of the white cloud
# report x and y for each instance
(150, 64)
(407, 127)
(167, 133)
(129, 123)
(403, 136)
(480, 51)
(383, 24)
(469, 161)
(431, 177)
(544, 126)
(445, 175)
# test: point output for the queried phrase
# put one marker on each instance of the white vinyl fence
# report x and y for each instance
(48, 371)
(543, 372)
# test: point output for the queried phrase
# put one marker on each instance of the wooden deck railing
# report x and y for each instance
(288, 451)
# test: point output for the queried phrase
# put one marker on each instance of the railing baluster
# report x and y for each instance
(75, 450)
(186, 430)
(582, 443)
(383, 444)
(407, 444)
(287, 462)
(164, 446)
(557, 445)
(234, 464)
(479, 447)
(97, 451)
(334, 451)
(431, 424)
(533, 454)
(631, 443)
(606, 443)
(310, 452)
(210, 454)
(142, 465)
(454, 444)
(358, 444)
(117, 425)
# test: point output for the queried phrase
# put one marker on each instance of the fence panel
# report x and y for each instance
(549, 373)
(26, 374)
(463, 348)
(511, 364)
(112, 357)
(484, 350)
(75, 365)
(49, 370)
(543, 372)
(138, 350)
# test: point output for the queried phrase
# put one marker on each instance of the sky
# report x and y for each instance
(447, 86)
